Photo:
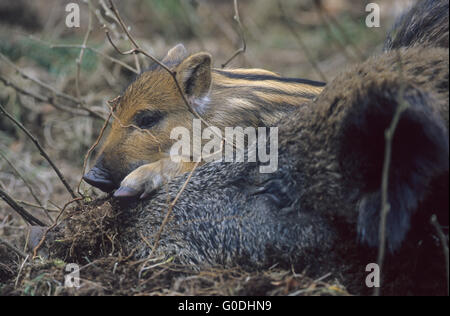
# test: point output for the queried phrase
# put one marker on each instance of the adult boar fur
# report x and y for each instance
(326, 193)
(425, 24)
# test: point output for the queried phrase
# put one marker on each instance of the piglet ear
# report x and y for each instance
(194, 76)
(420, 153)
(175, 56)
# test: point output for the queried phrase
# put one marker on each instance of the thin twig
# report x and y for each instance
(334, 23)
(20, 270)
(26, 203)
(30, 189)
(444, 243)
(133, 126)
(111, 26)
(97, 141)
(193, 22)
(137, 63)
(55, 223)
(385, 205)
(243, 48)
(92, 49)
(112, 59)
(19, 252)
(41, 150)
(55, 205)
(37, 81)
(108, 12)
(299, 39)
(79, 60)
(80, 103)
(329, 29)
(40, 98)
(171, 206)
(175, 200)
(19, 209)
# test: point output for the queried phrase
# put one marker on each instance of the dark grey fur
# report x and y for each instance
(425, 24)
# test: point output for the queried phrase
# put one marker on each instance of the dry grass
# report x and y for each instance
(106, 268)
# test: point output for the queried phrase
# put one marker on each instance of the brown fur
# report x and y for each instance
(423, 70)
(425, 24)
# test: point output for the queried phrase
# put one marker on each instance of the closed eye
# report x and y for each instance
(148, 119)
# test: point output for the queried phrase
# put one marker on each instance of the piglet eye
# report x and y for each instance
(148, 119)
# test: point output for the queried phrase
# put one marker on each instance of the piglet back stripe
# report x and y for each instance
(255, 77)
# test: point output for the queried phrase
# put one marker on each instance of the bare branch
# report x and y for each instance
(241, 34)
(13, 248)
(79, 60)
(329, 29)
(332, 22)
(37, 81)
(102, 20)
(444, 243)
(134, 126)
(19, 209)
(299, 39)
(175, 200)
(102, 131)
(112, 59)
(385, 205)
(41, 150)
(137, 63)
(50, 210)
(41, 98)
(108, 12)
(92, 49)
(80, 103)
(169, 211)
(55, 223)
(19, 174)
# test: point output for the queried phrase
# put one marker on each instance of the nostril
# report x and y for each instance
(99, 179)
